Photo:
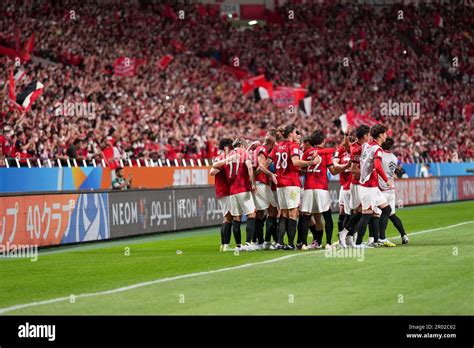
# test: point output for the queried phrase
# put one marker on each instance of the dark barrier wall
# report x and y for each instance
(140, 212)
(74, 217)
(62, 218)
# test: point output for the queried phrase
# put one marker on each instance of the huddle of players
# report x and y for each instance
(285, 186)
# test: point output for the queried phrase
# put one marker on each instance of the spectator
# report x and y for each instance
(425, 171)
(120, 183)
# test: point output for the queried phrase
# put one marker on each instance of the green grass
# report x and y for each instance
(425, 273)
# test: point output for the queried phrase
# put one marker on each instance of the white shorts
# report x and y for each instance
(345, 200)
(315, 201)
(225, 205)
(276, 198)
(241, 204)
(288, 197)
(371, 197)
(390, 197)
(354, 201)
(264, 197)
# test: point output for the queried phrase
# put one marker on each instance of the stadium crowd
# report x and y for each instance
(182, 111)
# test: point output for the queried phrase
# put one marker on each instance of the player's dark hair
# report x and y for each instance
(376, 130)
(118, 169)
(317, 137)
(307, 139)
(286, 131)
(225, 142)
(388, 144)
(362, 131)
(273, 133)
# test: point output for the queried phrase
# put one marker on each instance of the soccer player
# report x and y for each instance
(362, 134)
(222, 195)
(316, 199)
(369, 192)
(263, 197)
(239, 173)
(342, 156)
(286, 157)
(389, 164)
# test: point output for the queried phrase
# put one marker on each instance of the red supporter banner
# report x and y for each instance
(164, 62)
(125, 66)
(238, 73)
(285, 96)
(252, 83)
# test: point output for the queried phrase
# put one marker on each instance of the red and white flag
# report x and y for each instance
(28, 96)
(252, 83)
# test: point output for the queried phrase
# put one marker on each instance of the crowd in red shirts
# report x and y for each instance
(182, 111)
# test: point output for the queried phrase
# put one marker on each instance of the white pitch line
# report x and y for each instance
(191, 275)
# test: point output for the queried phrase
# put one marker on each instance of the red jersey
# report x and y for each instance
(287, 173)
(345, 177)
(261, 177)
(237, 173)
(221, 183)
(316, 175)
(356, 150)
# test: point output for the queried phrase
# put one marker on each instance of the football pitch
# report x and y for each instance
(185, 274)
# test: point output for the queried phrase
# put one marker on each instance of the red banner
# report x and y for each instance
(164, 62)
(125, 66)
(465, 187)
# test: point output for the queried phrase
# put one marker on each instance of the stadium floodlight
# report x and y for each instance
(253, 22)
